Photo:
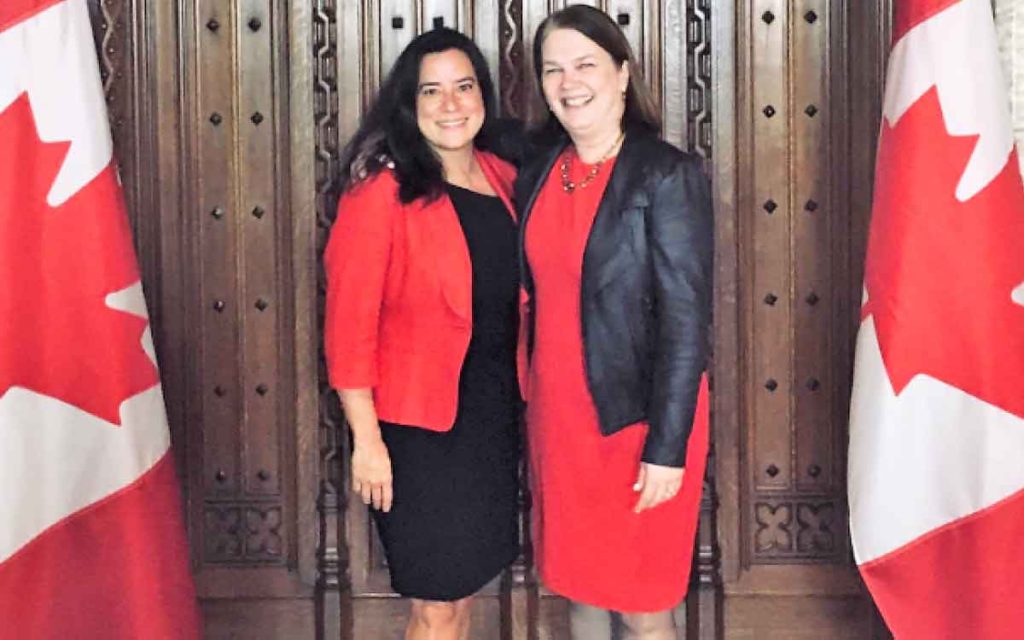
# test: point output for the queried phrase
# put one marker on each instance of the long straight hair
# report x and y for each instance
(641, 109)
(389, 132)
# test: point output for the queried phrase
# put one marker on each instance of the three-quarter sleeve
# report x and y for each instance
(356, 263)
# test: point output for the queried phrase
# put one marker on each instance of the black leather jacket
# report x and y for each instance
(646, 289)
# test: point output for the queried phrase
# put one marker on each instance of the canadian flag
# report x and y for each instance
(936, 466)
(91, 537)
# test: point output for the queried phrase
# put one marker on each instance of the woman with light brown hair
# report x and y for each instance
(615, 251)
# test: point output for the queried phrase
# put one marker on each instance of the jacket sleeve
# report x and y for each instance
(356, 264)
(681, 239)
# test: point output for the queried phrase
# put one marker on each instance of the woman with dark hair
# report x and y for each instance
(616, 252)
(421, 330)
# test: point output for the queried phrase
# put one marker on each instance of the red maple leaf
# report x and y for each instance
(940, 273)
(910, 13)
(57, 265)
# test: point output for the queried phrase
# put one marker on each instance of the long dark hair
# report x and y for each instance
(641, 109)
(389, 131)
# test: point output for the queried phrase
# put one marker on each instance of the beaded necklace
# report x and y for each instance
(568, 185)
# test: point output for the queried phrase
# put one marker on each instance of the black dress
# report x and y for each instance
(452, 526)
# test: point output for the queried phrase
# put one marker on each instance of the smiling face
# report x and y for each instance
(583, 85)
(449, 103)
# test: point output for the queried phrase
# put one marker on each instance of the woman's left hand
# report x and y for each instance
(656, 484)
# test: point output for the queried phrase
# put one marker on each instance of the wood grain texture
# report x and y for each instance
(792, 196)
(209, 204)
(286, 555)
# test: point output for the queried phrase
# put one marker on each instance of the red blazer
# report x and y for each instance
(399, 298)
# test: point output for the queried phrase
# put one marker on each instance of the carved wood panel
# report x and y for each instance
(199, 105)
(236, 212)
(796, 413)
(238, 233)
(807, 87)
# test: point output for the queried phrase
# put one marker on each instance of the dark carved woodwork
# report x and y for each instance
(332, 579)
(223, 533)
(239, 344)
(513, 76)
(796, 530)
(263, 537)
(704, 602)
(774, 528)
(113, 51)
(243, 492)
(122, 58)
(794, 426)
(264, 471)
(699, 94)
(244, 533)
(790, 281)
(816, 528)
(518, 591)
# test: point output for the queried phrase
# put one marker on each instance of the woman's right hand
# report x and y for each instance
(371, 464)
(371, 473)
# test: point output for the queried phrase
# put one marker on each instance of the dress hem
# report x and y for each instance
(477, 586)
(619, 607)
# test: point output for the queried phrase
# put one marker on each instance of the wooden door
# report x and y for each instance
(228, 117)
(793, 200)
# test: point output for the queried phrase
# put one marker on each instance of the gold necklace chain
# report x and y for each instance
(568, 185)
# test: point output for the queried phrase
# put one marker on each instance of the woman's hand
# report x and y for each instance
(371, 473)
(656, 484)
(371, 463)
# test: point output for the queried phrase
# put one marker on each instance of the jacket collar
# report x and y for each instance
(535, 177)
(532, 180)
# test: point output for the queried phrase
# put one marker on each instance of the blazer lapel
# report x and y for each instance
(441, 234)
(501, 181)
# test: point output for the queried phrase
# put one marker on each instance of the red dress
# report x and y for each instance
(589, 545)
